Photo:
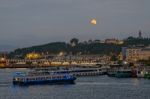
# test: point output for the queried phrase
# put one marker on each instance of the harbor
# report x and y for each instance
(81, 68)
(82, 71)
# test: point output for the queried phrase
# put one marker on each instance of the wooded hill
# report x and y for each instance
(81, 47)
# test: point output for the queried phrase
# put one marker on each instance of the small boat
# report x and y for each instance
(42, 78)
(123, 74)
(147, 75)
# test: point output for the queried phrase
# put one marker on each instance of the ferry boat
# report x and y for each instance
(76, 71)
(42, 78)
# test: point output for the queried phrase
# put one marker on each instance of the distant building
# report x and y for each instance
(2, 62)
(73, 44)
(33, 55)
(4, 54)
(113, 41)
(145, 53)
(97, 41)
(124, 49)
(102, 41)
(90, 41)
(134, 54)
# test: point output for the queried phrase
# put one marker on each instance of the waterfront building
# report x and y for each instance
(134, 54)
(2, 62)
(145, 53)
(33, 55)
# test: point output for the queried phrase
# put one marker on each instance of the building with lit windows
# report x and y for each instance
(134, 54)
(33, 56)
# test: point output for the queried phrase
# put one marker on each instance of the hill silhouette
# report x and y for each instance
(81, 47)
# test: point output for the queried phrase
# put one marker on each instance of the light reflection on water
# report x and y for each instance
(100, 87)
(135, 82)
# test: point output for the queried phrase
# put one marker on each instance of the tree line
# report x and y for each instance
(75, 47)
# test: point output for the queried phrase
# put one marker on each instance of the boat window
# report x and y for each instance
(50, 77)
(16, 79)
(139, 72)
(31, 79)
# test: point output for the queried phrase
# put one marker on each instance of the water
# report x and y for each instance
(96, 87)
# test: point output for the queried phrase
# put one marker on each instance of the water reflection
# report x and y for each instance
(135, 82)
(95, 87)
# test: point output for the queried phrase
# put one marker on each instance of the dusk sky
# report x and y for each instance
(33, 22)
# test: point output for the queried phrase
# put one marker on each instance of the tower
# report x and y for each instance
(140, 34)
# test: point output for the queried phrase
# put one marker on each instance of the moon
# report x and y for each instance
(93, 22)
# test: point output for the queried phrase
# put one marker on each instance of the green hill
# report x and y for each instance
(81, 48)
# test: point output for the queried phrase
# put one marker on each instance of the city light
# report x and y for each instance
(33, 56)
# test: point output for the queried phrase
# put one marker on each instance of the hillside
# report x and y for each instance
(81, 48)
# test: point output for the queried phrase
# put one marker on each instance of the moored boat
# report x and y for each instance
(111, 74)
(123, 74)
(75, 71)
(147, 75)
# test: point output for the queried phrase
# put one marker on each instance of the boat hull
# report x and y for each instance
(61, 81)
(147, 76)
(123, 75)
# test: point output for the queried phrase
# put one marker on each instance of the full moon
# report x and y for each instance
(93, 22)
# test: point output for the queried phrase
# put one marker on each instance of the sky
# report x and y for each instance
(33, 22)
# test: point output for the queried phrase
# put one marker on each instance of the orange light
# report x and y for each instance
(33, 56)
(93, 22)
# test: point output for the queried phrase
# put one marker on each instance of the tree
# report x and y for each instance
(114, 58)
(74, 42)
